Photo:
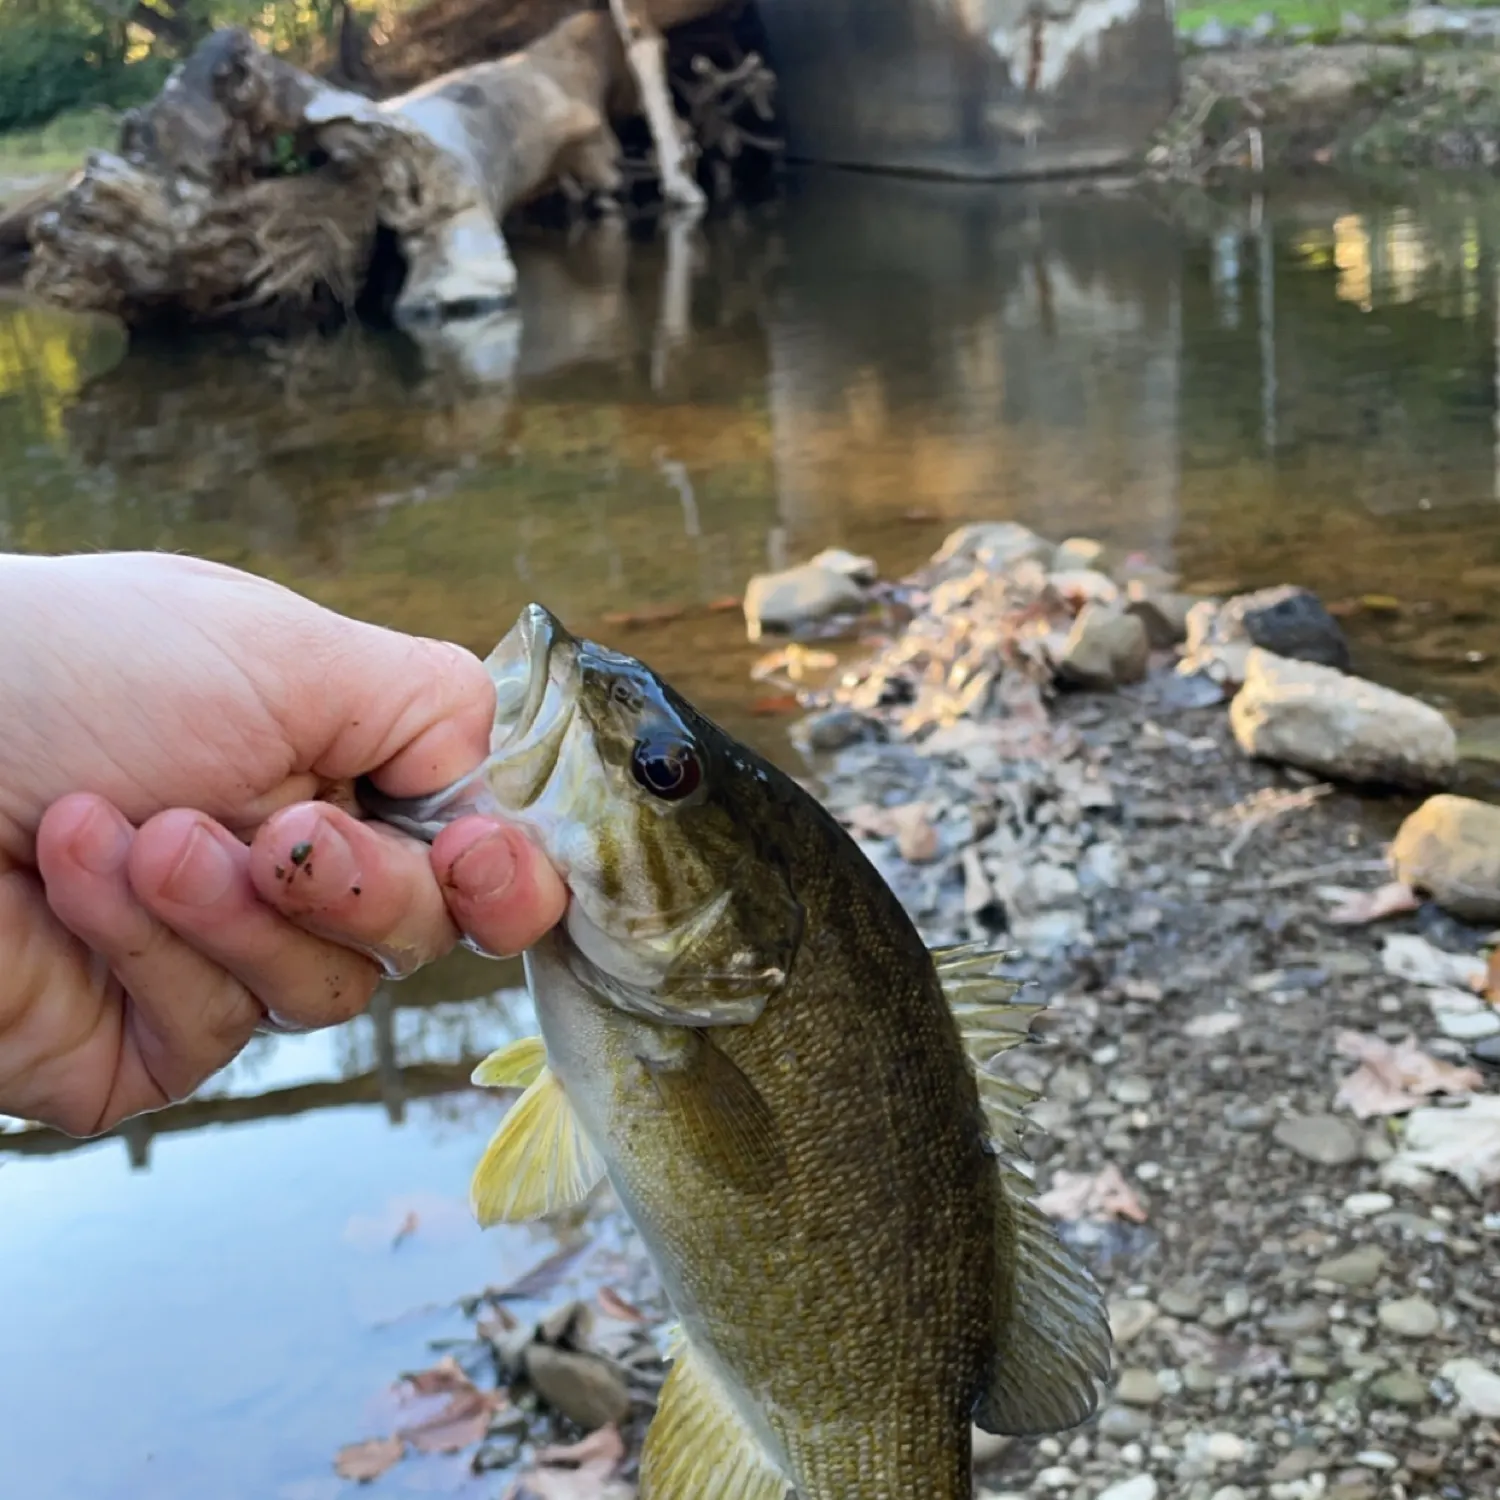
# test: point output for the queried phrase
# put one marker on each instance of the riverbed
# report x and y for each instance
(1298, 386)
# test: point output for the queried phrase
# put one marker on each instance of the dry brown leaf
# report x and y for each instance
(460, 1424)
(1091, 1195)
(368, 1460)
(580, 1471)
(445, 1376)
(1390, 1080)
(1360, 907)
(613, 1305)
(916, 837)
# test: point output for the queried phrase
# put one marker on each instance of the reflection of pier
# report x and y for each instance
(395, 1053)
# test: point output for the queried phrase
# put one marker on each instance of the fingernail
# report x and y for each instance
(102, 843)
(486, 869)
(203, 874)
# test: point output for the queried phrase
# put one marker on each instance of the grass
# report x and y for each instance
(58, 146)
(1321, 15)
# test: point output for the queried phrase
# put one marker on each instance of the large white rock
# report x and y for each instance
(782, 601)
(1317, 718)
(1450, 848)
(995, 545)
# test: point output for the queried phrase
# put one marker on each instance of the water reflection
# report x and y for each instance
(1296, 387)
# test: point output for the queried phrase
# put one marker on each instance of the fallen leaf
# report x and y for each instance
(1091, 1195)
(580, 1471)
(1356, 908)
(663, 614)
(460, 1424)
(368, 1460)
(445, 1376)
(613, 1305)
(1410, 957)
(1391, 1080)
(1463, 1142)
(916, 837)
(775, 703)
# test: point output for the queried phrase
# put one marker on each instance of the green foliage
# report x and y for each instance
(57, 56)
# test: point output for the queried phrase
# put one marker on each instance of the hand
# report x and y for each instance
(167, 885)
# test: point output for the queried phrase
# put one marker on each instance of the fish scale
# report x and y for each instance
(792, 1097)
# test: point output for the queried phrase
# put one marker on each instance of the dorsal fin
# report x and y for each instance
(539, 1160)
(698, 1445)
(1052, 1338)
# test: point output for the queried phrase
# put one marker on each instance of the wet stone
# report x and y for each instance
(1359, 1267)
(1182, 1300)
(1325, 1139)
(1400, 1388)
(1138, 1387)
(1123, 1424)
(1410, 1317)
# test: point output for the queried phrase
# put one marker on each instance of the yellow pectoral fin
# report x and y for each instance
(698, 1444)
(514, 1066)
(718, 1115)
(539, 1161)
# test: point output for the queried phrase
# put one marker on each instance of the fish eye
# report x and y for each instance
(667, 768)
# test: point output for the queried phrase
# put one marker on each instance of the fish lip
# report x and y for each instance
(523, 660)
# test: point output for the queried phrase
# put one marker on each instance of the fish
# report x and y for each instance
(791, 1096)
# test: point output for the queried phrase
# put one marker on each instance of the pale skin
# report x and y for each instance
(169, 882)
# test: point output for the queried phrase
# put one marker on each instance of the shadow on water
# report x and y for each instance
(1298, 387)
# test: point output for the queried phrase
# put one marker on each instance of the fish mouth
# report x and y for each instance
(521, 669)
(531, 706)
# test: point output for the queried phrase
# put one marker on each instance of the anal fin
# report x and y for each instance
(539, 1161)
(698, 1445)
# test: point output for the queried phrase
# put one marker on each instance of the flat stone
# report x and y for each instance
(1320, 720)
(1296, 1322)
(1183, 1299)
(1226, 1447)
(1078, 552)
(1400, 1388)
(1137, 1487)
(1309, 1367)
(994, 545)
(1358, 1267)
(1130, 1090)
(1366, 1205)
(782, 601)
(1450, 849)
(1476, 1385)
(1129, 1318)
(1410, 1317)
(1138, 1387)
(1123, 1424)
(1105, 648)
(1163, 612)
(1325, 1139)
(1296, 1464)
(1440, 1429)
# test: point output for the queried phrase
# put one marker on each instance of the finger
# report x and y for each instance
(185, 1017)
(194, 876)
(500, 888)
(364, 886)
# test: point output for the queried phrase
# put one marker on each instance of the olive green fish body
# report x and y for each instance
(743, 1030)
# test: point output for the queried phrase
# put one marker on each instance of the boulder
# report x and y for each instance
(850, 564)
(1216, 647)
(1162, 612)
(1080, 586)
(1289, 622)
(1104, 649)
(995, 545)
(1450, 848)
(1314, 717)
(783, 601)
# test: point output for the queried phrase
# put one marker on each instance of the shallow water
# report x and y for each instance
(1302, 387)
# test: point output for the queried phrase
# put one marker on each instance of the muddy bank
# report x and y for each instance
(1259, 1120)
(1357, 103)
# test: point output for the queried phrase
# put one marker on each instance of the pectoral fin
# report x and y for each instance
(698, 1445)
(539, 1161)
(719, 1116)
(1052, 1338)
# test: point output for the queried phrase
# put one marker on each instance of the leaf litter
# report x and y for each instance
(1393, 1080)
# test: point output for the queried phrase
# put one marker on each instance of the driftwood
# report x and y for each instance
(251, 190)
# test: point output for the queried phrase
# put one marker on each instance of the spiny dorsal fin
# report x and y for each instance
(539, 1161)
(698, 1445)
(990, 1022)
(1053, 1344)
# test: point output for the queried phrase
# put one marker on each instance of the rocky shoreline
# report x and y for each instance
(1261, 1118)
(1421, 91)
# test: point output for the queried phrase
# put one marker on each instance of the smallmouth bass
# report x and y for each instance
(743, 1030)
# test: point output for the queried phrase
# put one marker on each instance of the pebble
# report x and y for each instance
(1366, 1205)
(1375, 1458)
(1227, 1447)
(1129, 1317)
(1441, 1429)
(1057, 1477)
(1138, 1387)
(1123, 1424)
(1400, 1388)
(1228, 1492)
(1296, 1322)
(1325, 1139)
(1130, 1090)
(1359, 1267)
(1138, 1487)
(1478, 1387)
(1410, 1317)
(1182, 1300)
